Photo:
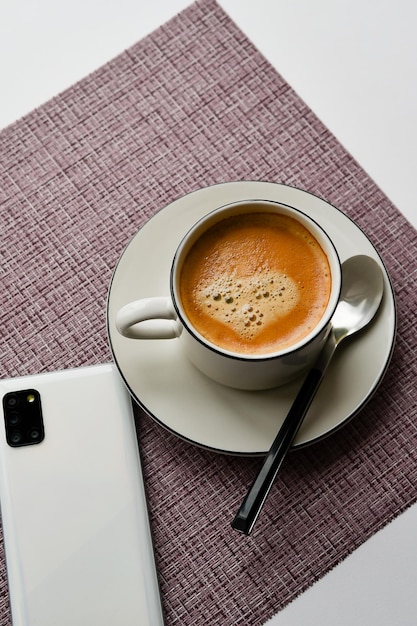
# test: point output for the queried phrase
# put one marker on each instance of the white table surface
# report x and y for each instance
(354, 62)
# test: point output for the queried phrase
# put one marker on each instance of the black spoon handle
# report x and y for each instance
(254, 500)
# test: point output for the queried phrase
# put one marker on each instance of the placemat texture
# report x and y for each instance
(191, 105)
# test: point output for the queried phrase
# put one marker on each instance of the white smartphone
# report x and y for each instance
(75, 522)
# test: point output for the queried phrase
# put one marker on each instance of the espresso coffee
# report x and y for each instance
(255, 283)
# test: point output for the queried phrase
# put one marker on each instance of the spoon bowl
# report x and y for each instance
(360, 299)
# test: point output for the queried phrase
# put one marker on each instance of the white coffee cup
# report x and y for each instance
(165, 317)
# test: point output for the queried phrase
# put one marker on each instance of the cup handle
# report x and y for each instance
(148, 318)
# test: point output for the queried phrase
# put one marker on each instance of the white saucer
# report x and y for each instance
(186, 402)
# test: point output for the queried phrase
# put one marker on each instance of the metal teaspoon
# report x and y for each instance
(361, 295)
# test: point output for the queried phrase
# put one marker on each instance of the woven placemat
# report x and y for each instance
(191, 105)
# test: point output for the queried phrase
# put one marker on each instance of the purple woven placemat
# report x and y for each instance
(191, 105)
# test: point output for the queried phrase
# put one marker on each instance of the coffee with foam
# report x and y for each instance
(255, 283)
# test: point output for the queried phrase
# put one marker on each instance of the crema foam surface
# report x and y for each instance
(255, 283)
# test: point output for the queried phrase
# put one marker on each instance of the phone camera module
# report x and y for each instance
(23, 418)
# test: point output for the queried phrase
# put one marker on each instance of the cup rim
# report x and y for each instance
(233, 208)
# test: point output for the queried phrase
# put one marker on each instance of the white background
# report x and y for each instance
(354, 62)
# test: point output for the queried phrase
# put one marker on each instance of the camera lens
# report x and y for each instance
(13, 418)
(34, 434)
(11, 401)
(15, 437)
